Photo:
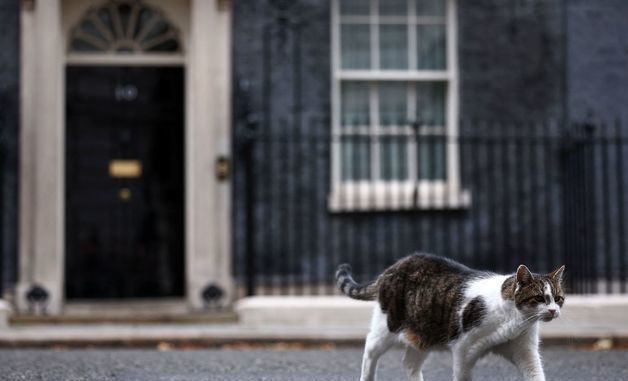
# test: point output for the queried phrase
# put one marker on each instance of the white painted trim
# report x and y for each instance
(27, 151)
(5, 314)
(394, 75)
(374, 28)
(208, 201)
(412, 42)
(42, 143)
(453, 95)
(335, 92)
(374, 130)
(125, 60)
(44, 37)
(396, 195)
(416, 20)
(413, 152)
(344, 192)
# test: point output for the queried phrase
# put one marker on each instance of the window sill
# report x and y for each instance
(368, 197)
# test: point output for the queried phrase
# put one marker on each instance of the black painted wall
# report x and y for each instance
(511, 61)
(597, 59)
(597, 90)
(9, 124)
(518, 60)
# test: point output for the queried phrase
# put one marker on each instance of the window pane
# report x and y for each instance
(355, 46)
(393, 104)
(393, 7)
(432, 158)
(394, 158)
(356, 157)
(431, 47)
(431, 7)
(355, 104)
(355, 7)
(393, 46)
(430, 97)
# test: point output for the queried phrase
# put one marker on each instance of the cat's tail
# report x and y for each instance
(349, 287)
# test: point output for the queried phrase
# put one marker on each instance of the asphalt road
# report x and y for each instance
(288, 365)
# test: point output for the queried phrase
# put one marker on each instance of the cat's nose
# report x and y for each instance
(552, 312)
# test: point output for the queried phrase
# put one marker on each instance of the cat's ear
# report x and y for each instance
(557, 274)
(523, 274)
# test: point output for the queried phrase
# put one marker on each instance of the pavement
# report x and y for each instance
(594, 322)
(281, 364)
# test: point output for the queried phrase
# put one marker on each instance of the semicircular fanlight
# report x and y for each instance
(124, 26)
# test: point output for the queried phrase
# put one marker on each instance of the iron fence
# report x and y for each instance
(2, 217)
(492, 196)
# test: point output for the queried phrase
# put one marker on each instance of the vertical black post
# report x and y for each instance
(549, 172)
(619, 141)
(465, 173)
(249, 189)
(589, 251)
(485, 238)
(606, 242)
(495, 204)
(533, 142)
(298, 269)
(567, 193)
(578, 203)
(475, 143)
(518, 234)
(550, 160)
(2, 208)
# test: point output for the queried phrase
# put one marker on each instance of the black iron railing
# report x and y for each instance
(2, 211)
(492, 196)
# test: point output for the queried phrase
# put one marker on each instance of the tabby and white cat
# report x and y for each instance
(426, 302)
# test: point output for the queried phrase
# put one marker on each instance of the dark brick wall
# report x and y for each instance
(286, 98)
(597, 59)
(282, 82)
(597, 90)
(510, 59)
(542, 202)
(9, 122)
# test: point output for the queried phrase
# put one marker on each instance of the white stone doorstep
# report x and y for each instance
(208, 335)
(5, 313)
(595, 311)
(303, 319)
(308, 311)
(149, 334)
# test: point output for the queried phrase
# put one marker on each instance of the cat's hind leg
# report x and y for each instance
(378, 341)
(413, 362)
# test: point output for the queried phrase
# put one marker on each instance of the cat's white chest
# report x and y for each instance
(502, 321)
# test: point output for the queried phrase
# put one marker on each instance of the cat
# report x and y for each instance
(428, 302)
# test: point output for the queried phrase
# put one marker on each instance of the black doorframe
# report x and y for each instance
(101, 100)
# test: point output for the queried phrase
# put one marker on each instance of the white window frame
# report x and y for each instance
(365, 195)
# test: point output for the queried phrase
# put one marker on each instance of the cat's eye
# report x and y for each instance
(540, 299)
(558, 299)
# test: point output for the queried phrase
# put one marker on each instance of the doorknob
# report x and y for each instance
(222, 168)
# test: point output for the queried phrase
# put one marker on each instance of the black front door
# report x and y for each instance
(124, 182)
